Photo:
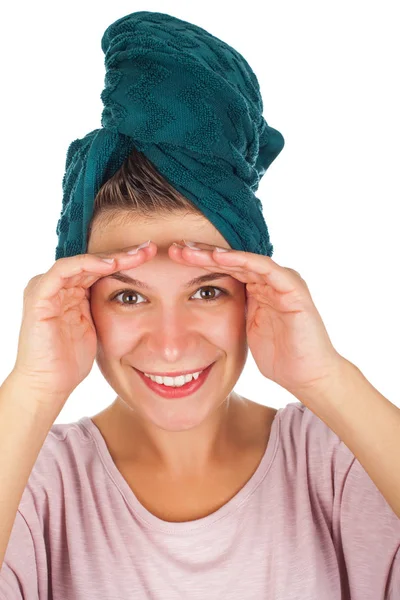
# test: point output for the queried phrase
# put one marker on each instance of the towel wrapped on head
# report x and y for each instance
(192, 105)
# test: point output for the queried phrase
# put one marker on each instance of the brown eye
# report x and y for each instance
(126, 294)
(211, 287)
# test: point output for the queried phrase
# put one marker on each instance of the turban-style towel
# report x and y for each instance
(192, 105)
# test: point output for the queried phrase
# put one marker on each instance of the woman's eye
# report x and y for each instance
(126, 293)
(211, 287)
(133, 294)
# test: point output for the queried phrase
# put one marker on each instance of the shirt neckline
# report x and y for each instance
(152, 521)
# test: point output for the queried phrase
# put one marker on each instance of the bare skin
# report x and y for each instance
(191, 496)
(184, 458)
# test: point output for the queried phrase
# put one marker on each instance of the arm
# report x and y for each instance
(367, 422)
(23, 431)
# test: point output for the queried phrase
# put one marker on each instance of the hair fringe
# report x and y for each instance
(138, 189)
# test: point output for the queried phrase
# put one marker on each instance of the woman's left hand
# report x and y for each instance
(285, 332)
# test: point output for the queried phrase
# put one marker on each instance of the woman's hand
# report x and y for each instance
(57, 341)
(285, 332)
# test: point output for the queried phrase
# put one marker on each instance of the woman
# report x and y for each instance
(190, 491)
(222, 436)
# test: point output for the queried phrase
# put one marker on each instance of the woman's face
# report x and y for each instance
(170, 328)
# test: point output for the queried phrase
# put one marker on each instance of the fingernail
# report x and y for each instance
(191, 245)
(217, 249)
(179, 245)
(135, 250)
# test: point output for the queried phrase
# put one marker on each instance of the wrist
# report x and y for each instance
(40, 406)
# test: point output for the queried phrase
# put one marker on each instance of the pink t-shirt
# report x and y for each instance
(309, 525)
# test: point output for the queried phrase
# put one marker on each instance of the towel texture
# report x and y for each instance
(192, 104)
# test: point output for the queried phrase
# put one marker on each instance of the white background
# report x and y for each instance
(329, 77)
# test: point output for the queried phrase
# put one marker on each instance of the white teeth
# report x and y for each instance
(174, 381)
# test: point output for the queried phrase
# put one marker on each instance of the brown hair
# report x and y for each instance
(138, 189)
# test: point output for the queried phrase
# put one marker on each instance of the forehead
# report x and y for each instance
(124, 231)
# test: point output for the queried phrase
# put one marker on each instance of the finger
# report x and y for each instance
(82, 270)
(122, 261)
(240, 274)
(206, 261)
(86, 278)
(67, 267)
(282, 279)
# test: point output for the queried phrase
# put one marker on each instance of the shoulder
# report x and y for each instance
(67, 447)
(334, 473)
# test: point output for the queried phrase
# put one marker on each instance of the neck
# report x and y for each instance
(179, 454)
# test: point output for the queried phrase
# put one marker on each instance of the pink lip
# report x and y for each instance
(176, 392)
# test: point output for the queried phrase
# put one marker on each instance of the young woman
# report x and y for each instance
(192, 491)
(182, 488)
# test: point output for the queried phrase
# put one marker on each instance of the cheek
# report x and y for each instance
(117, 338)
(115, 334)
(228, 329)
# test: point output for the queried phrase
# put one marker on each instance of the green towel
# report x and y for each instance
(192, 104)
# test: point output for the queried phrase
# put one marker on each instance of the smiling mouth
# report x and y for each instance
(176, 391)
(176, 373)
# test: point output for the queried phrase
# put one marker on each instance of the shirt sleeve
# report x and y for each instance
(367, 532)
(394, 580)
(24, 573)
(18, 575)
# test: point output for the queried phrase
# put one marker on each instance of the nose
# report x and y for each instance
(173, 333)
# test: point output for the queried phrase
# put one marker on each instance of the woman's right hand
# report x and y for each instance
(57, 341)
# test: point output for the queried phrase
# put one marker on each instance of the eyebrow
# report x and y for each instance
(140, 284)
